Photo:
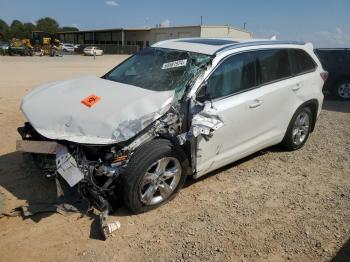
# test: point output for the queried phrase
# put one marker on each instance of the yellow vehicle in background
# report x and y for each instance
(21, 47)
(45, 43)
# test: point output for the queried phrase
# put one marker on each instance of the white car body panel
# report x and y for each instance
(122, 112)
(247, 130)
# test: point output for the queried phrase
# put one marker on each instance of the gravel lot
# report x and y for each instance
(272, 206)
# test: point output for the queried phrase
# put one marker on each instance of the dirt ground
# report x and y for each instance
(272, 206)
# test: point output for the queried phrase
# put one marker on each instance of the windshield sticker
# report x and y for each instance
(174, 64)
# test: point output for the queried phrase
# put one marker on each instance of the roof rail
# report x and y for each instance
(253, 43)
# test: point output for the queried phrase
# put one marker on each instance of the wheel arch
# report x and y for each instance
(185, 148)
(313, 104)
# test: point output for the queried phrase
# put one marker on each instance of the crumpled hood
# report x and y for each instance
(55, 110)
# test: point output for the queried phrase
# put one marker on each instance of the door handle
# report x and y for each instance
(296, 87)
(256, 103)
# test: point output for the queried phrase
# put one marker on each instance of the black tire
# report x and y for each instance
(337, 90)
(138, 165)
(288, 141)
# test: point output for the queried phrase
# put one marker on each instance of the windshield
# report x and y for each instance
(159, 69)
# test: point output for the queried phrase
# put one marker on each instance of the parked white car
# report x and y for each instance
(67, 47)
(93, 50)
(182, 107)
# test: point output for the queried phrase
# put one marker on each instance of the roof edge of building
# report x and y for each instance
(155, 28)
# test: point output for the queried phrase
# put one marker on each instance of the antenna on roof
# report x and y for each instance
(201, 20)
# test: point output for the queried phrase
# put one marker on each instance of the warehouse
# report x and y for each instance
(128, 40)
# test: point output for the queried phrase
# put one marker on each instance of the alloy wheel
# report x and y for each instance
(160, 180)
(301, 128)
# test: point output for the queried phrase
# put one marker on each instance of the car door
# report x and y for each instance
(279, 89)
(238, 102)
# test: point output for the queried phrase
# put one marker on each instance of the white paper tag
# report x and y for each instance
(174, 64)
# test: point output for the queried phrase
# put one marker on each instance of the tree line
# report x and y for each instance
(20, 30)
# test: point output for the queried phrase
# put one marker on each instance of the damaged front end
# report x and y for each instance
(95, 169)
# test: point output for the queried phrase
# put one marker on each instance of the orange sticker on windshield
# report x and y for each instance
(90, 100)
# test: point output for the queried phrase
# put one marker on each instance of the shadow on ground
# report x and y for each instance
(330, 104)
(25, 182)
(40, 195)
(343, 254)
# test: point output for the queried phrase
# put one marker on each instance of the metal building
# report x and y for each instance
(128, 40)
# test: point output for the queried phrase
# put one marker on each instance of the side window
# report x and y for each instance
(274, 65)
(235, 74)
(301, 61)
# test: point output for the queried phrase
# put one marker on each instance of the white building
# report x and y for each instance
(143, 37)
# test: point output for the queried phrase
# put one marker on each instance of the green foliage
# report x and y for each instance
(4, 30)
(20, 30)
(48, 25)
(68, 28)
(28, 28)
(16, 29)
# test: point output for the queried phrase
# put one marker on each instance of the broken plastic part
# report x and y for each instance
(107, 228)
(204, 123)
(67, 166)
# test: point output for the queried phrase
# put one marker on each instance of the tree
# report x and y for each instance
(68, 28)
(28, 28)
(4, 30)
(48, 25)
(16, 29)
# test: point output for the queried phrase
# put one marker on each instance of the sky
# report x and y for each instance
(326, 23)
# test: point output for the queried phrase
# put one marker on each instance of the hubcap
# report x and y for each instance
(160, 180)
(344, 90)
(301, 128)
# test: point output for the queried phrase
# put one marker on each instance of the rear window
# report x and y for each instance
(301, 62)
(274, 65)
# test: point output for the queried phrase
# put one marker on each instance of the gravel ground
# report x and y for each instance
(272, 206)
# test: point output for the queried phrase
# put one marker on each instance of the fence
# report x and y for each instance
(112, 48)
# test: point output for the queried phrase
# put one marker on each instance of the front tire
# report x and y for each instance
(154, 175)
(298, 130)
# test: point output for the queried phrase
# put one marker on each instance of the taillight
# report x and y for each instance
(324, 75)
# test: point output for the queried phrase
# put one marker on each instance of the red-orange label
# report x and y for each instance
(90, 100)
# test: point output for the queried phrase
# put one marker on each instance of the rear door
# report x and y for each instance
(278, 87)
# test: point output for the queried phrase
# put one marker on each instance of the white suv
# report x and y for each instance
(182, 107)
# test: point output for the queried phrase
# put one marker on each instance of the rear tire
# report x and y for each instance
(298, 130)
(145, 186)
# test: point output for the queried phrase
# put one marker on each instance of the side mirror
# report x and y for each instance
(202, 94)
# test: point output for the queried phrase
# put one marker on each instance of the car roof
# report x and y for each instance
(212, 46)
